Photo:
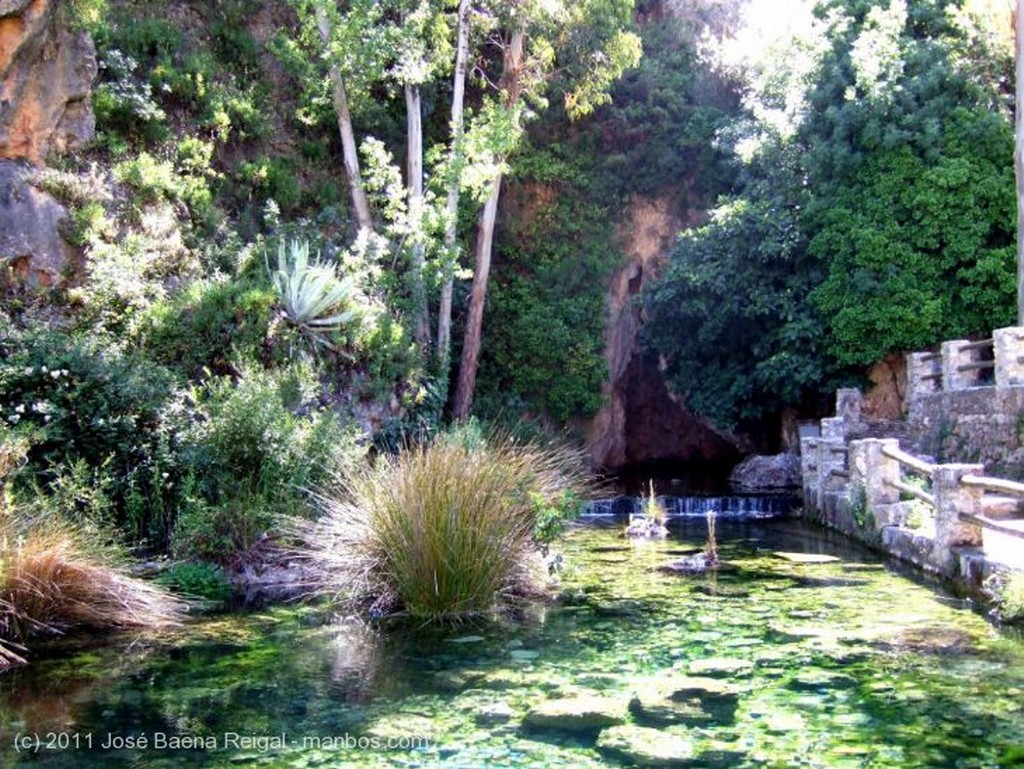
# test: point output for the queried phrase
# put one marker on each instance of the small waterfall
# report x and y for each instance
(695, 507)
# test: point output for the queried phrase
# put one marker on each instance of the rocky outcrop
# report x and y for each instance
(758, 473)
(46, 74)
(886, 398)
(32, 251)
(642, 421)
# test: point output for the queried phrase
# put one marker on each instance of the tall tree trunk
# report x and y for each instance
(444, 311)
(1018, 26)
(414, 182)
(478, 294)
(360, 205)
(511, 88)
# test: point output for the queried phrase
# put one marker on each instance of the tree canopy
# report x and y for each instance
(879, 219)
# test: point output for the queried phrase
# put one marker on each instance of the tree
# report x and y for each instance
(352, 49)
(908, 159)
(397, 43)
(730, 316)
(585, 45)
(1018, 23)
(422, 52)
(898, 209)
(454, 184)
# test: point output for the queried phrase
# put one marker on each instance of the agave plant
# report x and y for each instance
(314, 297)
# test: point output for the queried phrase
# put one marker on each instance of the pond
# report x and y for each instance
(838, 663)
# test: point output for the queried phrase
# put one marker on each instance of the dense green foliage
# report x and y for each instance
(732, 307)
(543, 346)
(881, 220)
(207, 364)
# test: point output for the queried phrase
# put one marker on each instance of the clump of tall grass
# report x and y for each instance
(54, 578)
(443, 530)
(57, 576)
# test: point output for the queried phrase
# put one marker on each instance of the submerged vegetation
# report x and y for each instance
(443, 530)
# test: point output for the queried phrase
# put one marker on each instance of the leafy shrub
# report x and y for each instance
(442, 530)
(94, 413)
(212, 324)
(88, 223)
(252, 453)
(131, 269)
(123, 102)
(153, 179)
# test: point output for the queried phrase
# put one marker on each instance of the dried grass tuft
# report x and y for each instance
(55, 578)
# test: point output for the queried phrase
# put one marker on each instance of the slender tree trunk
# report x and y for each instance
(360, 205)
(444, 311)
(414, 181)
(466, 384)
(1018, 26)
(511, 88)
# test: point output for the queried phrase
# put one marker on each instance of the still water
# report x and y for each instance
(844, 663)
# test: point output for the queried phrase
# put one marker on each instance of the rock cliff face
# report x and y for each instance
(46, 73)
(642, 421)
(31, 246)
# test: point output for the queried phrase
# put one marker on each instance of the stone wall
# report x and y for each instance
(979, 424)
(940, 492)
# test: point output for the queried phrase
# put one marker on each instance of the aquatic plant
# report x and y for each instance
(711, 548)
(198, 578)
(442, 530)
(653, 510)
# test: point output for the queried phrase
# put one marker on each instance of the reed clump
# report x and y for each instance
(442, 530)
(55, 579)
(58, 576)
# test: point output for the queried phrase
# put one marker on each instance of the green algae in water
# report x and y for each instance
(837, 663)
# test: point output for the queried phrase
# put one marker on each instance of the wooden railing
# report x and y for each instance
(913, 464)
(964, 503)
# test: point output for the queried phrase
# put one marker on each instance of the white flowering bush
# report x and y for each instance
(91, 413)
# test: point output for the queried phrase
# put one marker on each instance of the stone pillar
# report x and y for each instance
(833, 429)
(872, 470)
(952, 358)
(848, 404)
(833, 458)
(951, 499)
(809, 455)
(1009, 349)
(924, 375)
